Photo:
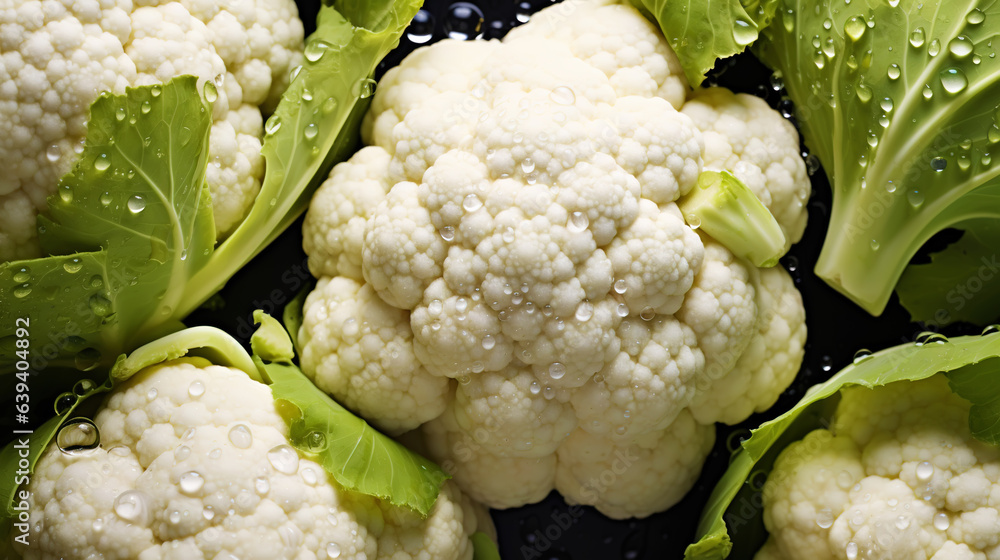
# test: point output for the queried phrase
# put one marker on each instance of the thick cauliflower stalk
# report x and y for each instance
(897, 476)
(195, 463)
(57, 57)
(506, 266)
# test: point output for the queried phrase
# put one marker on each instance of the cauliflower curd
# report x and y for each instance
(505, 266)
(897, 476)
(195, 463)
(57, 57)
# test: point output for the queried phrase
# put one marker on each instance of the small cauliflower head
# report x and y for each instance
(505, 266)
(55, 59)
(194, 462)
(897, 476)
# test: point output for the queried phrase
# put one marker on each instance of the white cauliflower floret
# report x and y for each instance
(898, 475)
(194, 462)
(744, 136)
(57, 59)
(361, 349)
(343, 205)
(518, 201)
(638, 477)
(486, 476)
(629, 50)
(769, 362)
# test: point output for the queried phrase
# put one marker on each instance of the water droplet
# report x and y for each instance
(824, 518)
(939, 164)
(893, 71)
(261, 485)
(647, 314)
(315, 441)
(464, 21)
(132, 506)
(196, 389)
(284, 459)
(211, 93)
(208, 512)
(136, 204)
(100, 305)
(851, 550)
(364, 88)
(489, 342)
(78, 434)
(145, 107)
(934, 47)
(527, 166)
(310, 131)
(333, 550)
(744, 32)
(315, 50)
(960, 46)
(102, 162)
(191, 482)
(953, 80)
(215, 453)
(73, 265)
(584, 311)
(776, 81)
(448, 233)
(862, 355)
(471, 203)
(992, 329)
(329, 104)
(855, 27)
(917, 37)
(864, 93)
(941, 521)
(53, 153)
(421, 27)
(874, 245)
(620, 286)
(309, 476)
(915, 198)
(22, 275)
(557, 370)
(272, 125)
(928, 93)
(535, 388)
(181, 453)
(174, 517)
(83, 386)
(886, 104)
(578, 221)
(87, 359)
(924, 471)
(563, 95)
(64, 402)
(240, 436)
(975, 17)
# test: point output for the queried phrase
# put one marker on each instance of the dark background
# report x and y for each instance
(837, 328)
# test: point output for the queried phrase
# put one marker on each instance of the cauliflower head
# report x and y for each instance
(898, 475)
(194, 462)
(57, 57)
(506, 268)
